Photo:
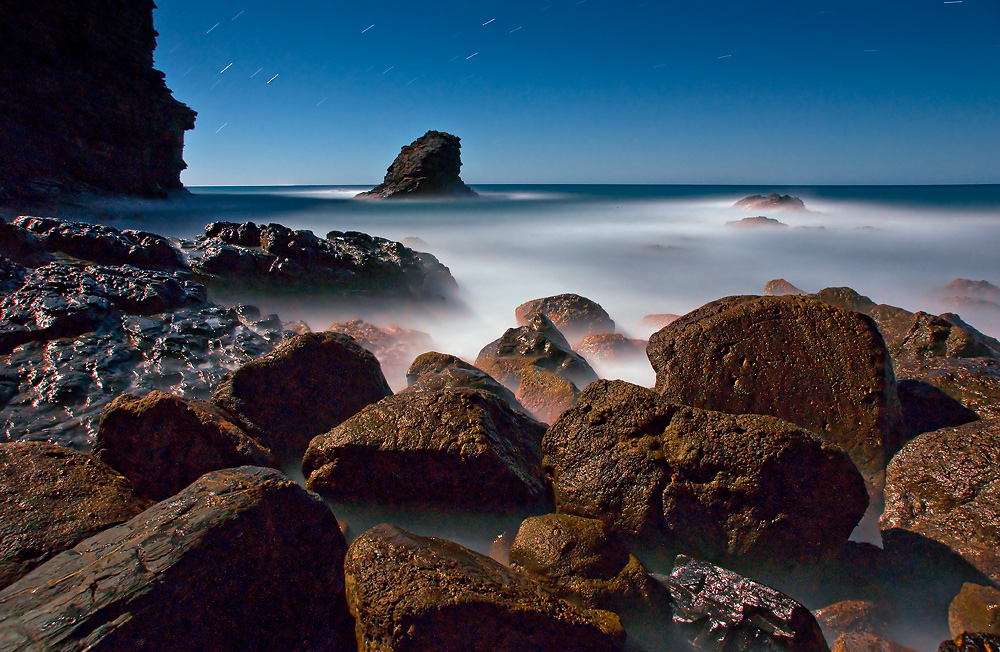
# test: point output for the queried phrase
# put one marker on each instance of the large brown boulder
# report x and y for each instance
(971, 643)
(51, 498)
(446, 447)
(574, 316)
(307, 386)
(427, 167)
(434, 370)
(162, 443)
(801, 360)
(422, 594)
(243, 559)
(727, 487)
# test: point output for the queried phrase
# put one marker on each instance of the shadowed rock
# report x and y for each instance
(243, 559)
(574, 316)
(162, 443)
(975, 609)
(927, 408)
(427, 167)
(51, 498)
(748, 488)
(422, 594)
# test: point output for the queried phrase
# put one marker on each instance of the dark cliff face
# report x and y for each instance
(81, 107)
(428, 166)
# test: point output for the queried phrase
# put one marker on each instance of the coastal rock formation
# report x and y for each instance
(779, 287)
(756, 223)
(731, 488)
(435, 371)
(427, 167)
(243, 559)
(771, 202)
(413, 593)
(574, 316)
(52, 498)
(81, 107)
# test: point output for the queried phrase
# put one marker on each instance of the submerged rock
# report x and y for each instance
(243, 559)
(972, 383)
(772, 201)
(427, 167)
(423, 594)
(574, 316)
(52, 498)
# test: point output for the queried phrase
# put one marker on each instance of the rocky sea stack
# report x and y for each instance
(81, 107)
(427, 167)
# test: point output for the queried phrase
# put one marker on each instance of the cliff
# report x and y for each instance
(81, 107)
(427, 167)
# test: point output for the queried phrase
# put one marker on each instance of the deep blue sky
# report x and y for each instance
(590, 91)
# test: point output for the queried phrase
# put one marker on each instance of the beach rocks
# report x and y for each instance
(427, 167)
(423, 594)
(444, 447)
(51, 498)
(772, 201)
(243, 559)
(162, 443)
(581, 560)
(574, 316)
(975, 609)
(305, 387)
(801, 360)
(743, 488)
(723, 611)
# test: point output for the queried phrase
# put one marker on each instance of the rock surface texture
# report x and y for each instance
(420, 594)
(427, 167)
(81, 107)
(243, 559)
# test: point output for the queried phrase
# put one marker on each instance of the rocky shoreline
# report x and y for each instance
(777, 425)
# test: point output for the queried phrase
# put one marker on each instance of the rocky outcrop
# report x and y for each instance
(243, 559)
(779, 287)
(574, 316)
(442, 447)
(742, 488)
(612, 348)
(81, 107)
(427, 167)
(52, 498)
(771, 202)
(758, 222)
(423, 594)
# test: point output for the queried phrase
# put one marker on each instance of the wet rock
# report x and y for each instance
(52, 498)
(394, 347)
(742, 488)
(779, 287)
(772, 201)
(612, 348)
(103, 245)
(57, 390)
(22, 246)
(307, 386)
(581, 561)
(545, 394)
(441, 447)
(972, 643)
(721, 610)
(976, 609)
(927, 408)
(757, 222)
(415, 593)
(974, 383)
(162, 443)
(427, 167)
(801, 360)
(12, 275)
(945, 486)
(574, 316)
(432, 362)
(243, 559)
(433, 371)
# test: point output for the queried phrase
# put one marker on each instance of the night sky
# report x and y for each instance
(590, 91)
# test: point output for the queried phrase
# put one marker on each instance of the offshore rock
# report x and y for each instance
(744, 488)
(927, 408)
(798, 359)
(427, 167)
(81, 107)
(722, 611)
(574, 316)
(963, 287)
(52, 498)
(273, 259)
(423, 594)
(973, 383)
(772, 201)
(57, 390)
(757, 222)
(434, 371)
(582, 561)
(162, 443)
(243, 559)
(443, 447)
(307, 386)
(21, 246)
(779, 287)
(975, 609)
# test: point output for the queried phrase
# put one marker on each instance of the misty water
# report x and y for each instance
(636, 250)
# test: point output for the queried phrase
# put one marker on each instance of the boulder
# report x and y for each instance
(856, 626)
(243, 559)
(971, 643)
(723, 611)
(574, 316)
(862, 642)
(741, 488)
(757, 222)
(945, 486)
(434, 371)
(423, 594)
(52, 498)
(798, 359)
(307, 386)
(582, 561)
(976, 609)
(973, 383)
(443, 447)
(779, 287)
(612, 348)
(772, 201)
(427, 167)
(927, 408)
(162, 443)
(963, 287)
